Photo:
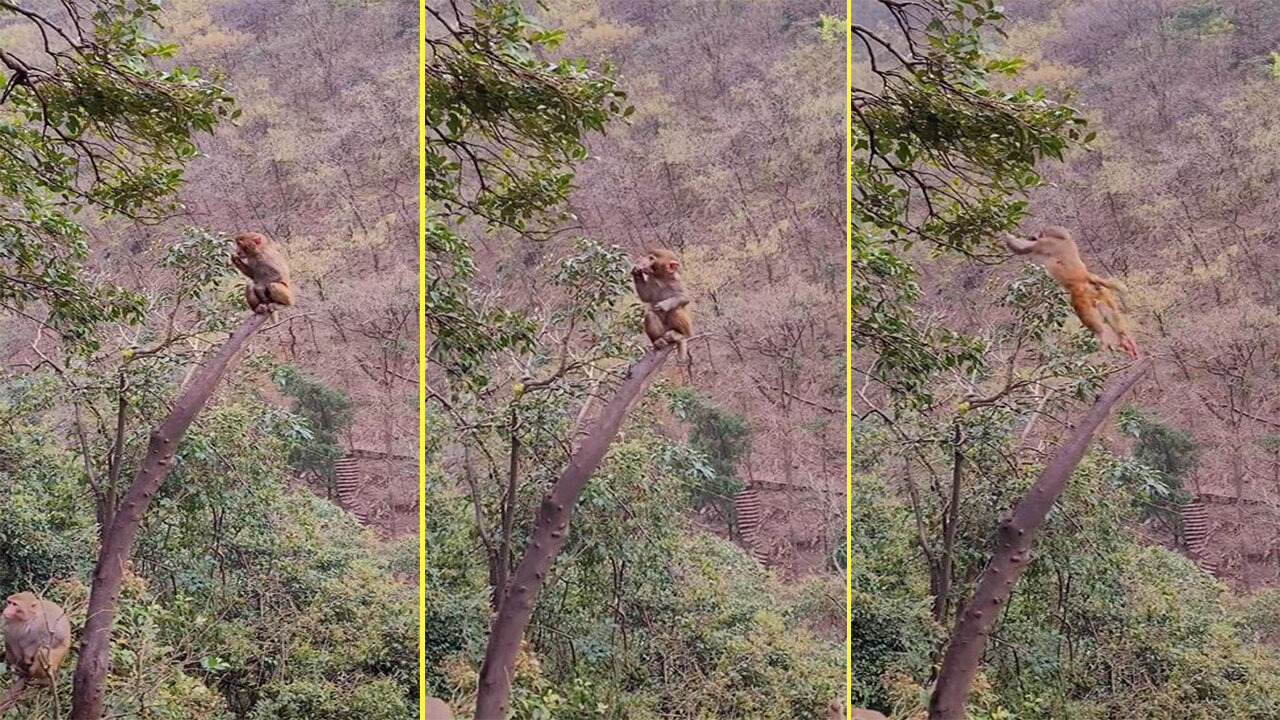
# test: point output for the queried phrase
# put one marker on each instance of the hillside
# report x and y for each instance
(562, 147)
(142, 159)
(1178, 198)
(1005, 457)
(739, 168)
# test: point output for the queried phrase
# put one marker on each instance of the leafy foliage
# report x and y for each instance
(639, 606)
(249, 599)
(328, 413)
(95, 122)
(504, 128)
(940, 155)
(722, 438)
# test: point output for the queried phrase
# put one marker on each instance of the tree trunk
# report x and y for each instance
(950, 518)
(1013, 552)
(550, 531)
(88, 693)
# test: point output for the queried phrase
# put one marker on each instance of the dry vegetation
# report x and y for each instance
(1178, 198)
(736, 162)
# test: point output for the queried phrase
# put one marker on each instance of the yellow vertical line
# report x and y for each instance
(848, 354)
(422, 356)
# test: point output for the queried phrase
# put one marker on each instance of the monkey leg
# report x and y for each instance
(251, 296)
(1085, 304)
(654, 328)
(279, 293)
(261, 303)
(1115, 319)
(681, 324)
(679, 338)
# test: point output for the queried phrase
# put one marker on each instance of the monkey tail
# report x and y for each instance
(683, 355)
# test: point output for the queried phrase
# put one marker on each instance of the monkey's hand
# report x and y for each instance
(637, 272)
(671, 303)
(1018, 245)
(241, 265)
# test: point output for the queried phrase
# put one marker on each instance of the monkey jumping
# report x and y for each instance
(666, 315)
(1091, 295)
(262, 262)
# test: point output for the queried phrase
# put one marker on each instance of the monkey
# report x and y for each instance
(37, 636)
(435, 709)
(666, 315)
(835, 711)
(1091, 295)
(262, 262)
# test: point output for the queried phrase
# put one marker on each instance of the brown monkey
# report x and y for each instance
(666, 316)
(435, 709)
(1091, 295)
(267, 269)
(835, 711)
(37, 637)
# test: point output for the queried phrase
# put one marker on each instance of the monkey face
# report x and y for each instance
(17, 610)
(659, 263)
(249, 243)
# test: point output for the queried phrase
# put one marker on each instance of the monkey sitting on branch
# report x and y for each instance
(1091, 296)
(262, 262)
(37, 637)
(666, 316)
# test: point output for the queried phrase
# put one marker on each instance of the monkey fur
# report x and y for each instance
(835, 711)
(37, 636)
(1091, 295)
(262, 262)
(666, 315)
(436, 709)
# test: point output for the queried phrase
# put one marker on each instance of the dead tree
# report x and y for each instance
(1012, 554)
(89, 689)
(550, 530)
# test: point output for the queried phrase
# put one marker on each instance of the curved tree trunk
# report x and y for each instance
(88, 693)
(1013, 552)
(550, 531)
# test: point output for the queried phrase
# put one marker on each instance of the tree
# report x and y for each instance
(723, 438)
(1013, 553)
(550, 531)
(941, 156)
(328, 412)
(503, 131)
(93, 662)
(95, 123)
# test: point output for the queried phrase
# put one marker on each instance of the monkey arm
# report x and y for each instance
(241, 265)
(673, 302)
(25, 657)
(1018, 245)
(644, 285)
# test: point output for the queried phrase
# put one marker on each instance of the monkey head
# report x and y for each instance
(21, 607)
(660, 263)
(1057, 232)
(250, 244)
